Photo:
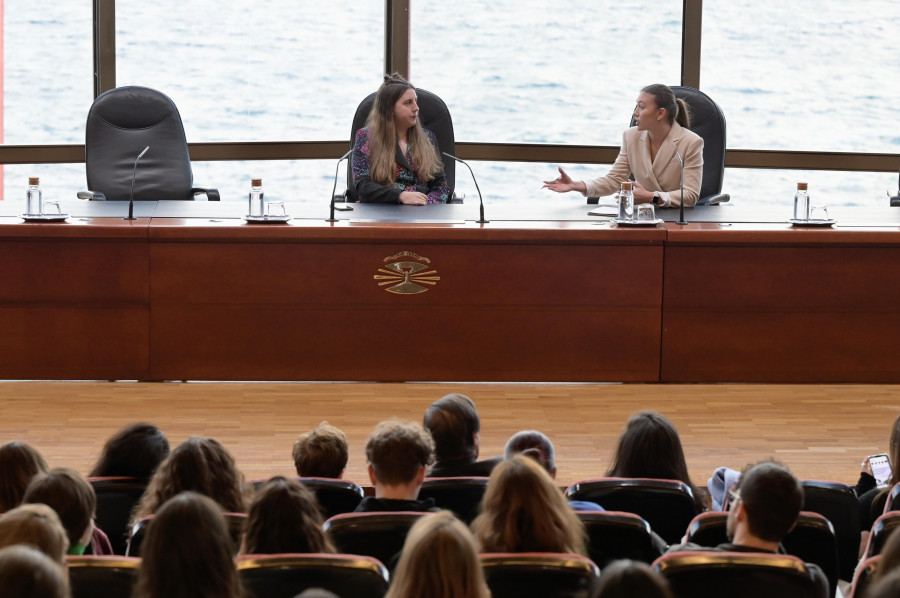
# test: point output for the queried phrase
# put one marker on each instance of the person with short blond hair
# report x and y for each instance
(37, 525)
(321, 453)
(399, 454)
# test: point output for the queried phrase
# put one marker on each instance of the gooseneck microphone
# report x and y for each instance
(480, 199)
(681, 219)
(133, 174)
(331, 217)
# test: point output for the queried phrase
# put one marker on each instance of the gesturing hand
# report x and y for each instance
(562, 184)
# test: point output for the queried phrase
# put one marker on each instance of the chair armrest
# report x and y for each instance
(91, 195)
(211, 194)
(592, 200)
(895, 201)
(713, 200)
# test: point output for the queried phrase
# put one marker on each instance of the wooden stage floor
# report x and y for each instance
(820, 431)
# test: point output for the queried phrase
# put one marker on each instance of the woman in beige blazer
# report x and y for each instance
(649, 152)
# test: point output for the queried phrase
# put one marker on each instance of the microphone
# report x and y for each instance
(681, 219)
(336, 167)
(480, 199)
(133, 174)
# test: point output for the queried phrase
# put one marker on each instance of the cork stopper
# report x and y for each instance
(256, 182)
(34, 180)
(626, 186)
(801, 186)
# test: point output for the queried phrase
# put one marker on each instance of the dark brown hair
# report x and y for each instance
(453, 421)
(134, 451)
(29, 573)
(625, 579)
(66, 492)
(19, 462)
(397, 451)
(284, 517)
(772, 498)
(322, 453)
(676, 108)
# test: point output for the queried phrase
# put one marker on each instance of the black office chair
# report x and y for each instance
(544, 574)
(434, 116)
(116, 498)
(707, 574)
(707, 121)
(287, 575)
(102, 576)
(667, 505)
(120, 124)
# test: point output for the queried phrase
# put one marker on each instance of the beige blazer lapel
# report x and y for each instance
(644, 167)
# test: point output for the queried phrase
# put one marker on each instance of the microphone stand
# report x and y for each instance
(481, 220)
(331, 218)
(681, 219)
(133, 174)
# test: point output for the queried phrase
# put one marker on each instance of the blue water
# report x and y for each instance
(802, 75)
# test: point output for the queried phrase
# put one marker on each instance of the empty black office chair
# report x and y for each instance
(378, 535)
(116, 497)
(707, 121)
(138, 532)
(740, 575)
(434, 116)
(667, 505)
(102, 576)
(334, 496)
(838, 503)
(544, 574)
(614, 535)
(460, 495)
(286, 575)
(120, 124)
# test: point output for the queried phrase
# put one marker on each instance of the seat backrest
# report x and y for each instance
(667, 505)
(707, 121)
(138, 532)
(378, 535)
(120, 124)
(434, 116)
(614, 535)
(881, 530)
(813, 541)
(460, 495)
(287, 575)
(334, 496)
(545, 574)
(708, 529)
(107, 576)
(838, 503)
(710, 574)
(116, 497)
(863, 578)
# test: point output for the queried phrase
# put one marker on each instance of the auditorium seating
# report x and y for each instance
(461, 495)
(378, 535)
(838, 503)
(863, 578)
(545, 574)
(138, 532)
(102, 576)
(614, 535)
(334, 496)
(880, 532)
(116, 498)
(286, 575)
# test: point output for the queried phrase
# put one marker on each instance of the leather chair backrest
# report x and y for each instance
(378, 535)
(615, 535)
(544, 574)
(434, 116)
(335, 496)
(881, 531)
(107, 576)
(120, 124)
(838, 503)
(707, 121)
(116, 497)
(287, 575)
(461, 495)
(667, 505)
(138, 532)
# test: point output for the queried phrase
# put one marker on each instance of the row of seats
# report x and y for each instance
(508, 575)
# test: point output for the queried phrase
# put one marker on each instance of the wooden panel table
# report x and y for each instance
(768, 303)
(74, 302)
(529, 301)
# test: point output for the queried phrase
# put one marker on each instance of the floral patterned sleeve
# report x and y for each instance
(438, 189)
(367, 189)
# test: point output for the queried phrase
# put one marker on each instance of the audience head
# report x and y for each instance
(187, 552)
(439, 560)
(398, 453)
(534, 444)
(676, 109)
(19, 462)
(887, 586)
(649, 447)
(890, 555)
(768, 501)
(322, 453)
(134, 451)
(453, 423)
(625, 579)
(316, 593)
(524, 511)
(29, 573)
(284, 517)
(73, 499)
(37, 525)
(200, 465)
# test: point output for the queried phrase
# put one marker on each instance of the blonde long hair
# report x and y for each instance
(383, 137)
(439, 560)
(524, 511)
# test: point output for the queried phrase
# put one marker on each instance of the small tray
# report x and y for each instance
(271, 218)
(653, 222)
(818, 222)
(44, 217)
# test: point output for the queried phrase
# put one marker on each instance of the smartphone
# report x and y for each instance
(881, 469)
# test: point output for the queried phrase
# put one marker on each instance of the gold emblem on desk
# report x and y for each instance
(407, 273)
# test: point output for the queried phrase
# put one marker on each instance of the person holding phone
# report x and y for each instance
(876, 479)
(650, 152)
